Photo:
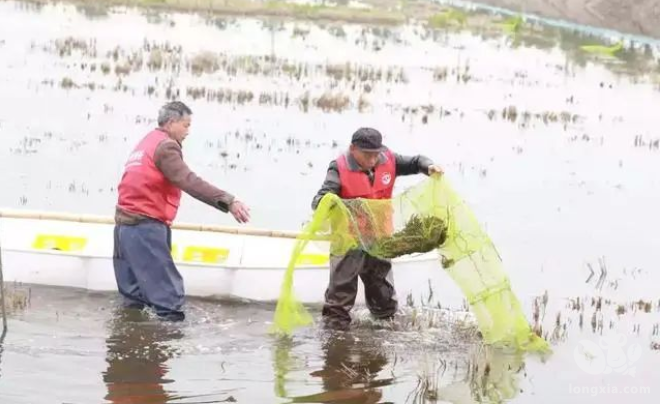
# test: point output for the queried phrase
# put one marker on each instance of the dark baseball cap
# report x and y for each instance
(368, 139)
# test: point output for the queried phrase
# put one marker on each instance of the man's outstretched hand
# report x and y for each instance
(435, 169)
(240, 211)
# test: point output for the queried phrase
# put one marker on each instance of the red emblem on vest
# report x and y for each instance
(386, 178)
(356, 184)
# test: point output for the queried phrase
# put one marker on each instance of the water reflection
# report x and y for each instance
(351, 371)
(2, 346)
(492, 376)
(358, 368)
(137, 353)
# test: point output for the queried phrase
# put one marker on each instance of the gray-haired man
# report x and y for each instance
(149, 196)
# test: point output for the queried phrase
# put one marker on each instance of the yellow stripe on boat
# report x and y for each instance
(59, 242)
(207, 255)
(312, 259)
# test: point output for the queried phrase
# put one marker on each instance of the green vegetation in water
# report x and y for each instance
(513, 24)
(338, 12)
(16, 299)
(448, 18)
(419, 235)
(205, 62)
(603, 50)
(383, 12)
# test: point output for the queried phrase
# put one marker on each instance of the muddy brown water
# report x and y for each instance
(556, 150)
(69, 346)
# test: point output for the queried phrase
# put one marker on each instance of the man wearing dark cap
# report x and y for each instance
(367, 170)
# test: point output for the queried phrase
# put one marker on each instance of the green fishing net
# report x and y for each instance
(425, 217)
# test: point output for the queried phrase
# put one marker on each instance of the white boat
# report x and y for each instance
(216, 262)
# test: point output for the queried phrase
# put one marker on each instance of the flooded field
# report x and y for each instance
(555, 147)
(74, 347)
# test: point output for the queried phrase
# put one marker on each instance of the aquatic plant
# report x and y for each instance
(603, 50)
(419, 235)
(513, 24)
(332, 102)
(447, 18)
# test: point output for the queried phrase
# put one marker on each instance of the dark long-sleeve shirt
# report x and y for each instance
(168, 157)
(405, 165)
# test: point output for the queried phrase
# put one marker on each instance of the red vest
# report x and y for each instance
(143, 188)
(377, 220)
(356, 184)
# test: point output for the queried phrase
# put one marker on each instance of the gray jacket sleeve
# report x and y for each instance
(409, 165)
(168, 157)
(331, 184)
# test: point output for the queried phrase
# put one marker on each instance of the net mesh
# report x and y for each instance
(428, 216)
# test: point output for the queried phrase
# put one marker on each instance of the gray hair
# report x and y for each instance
(172, 111)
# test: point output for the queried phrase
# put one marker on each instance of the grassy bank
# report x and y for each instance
(385, 12)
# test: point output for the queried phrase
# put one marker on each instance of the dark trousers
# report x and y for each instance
(145, 271)
(376, 275)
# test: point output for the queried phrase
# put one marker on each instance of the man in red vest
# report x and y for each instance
(149, 196)
(368, 170)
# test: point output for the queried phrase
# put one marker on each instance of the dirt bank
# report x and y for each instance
(634, 17)
(369, 11)
(618, 15)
